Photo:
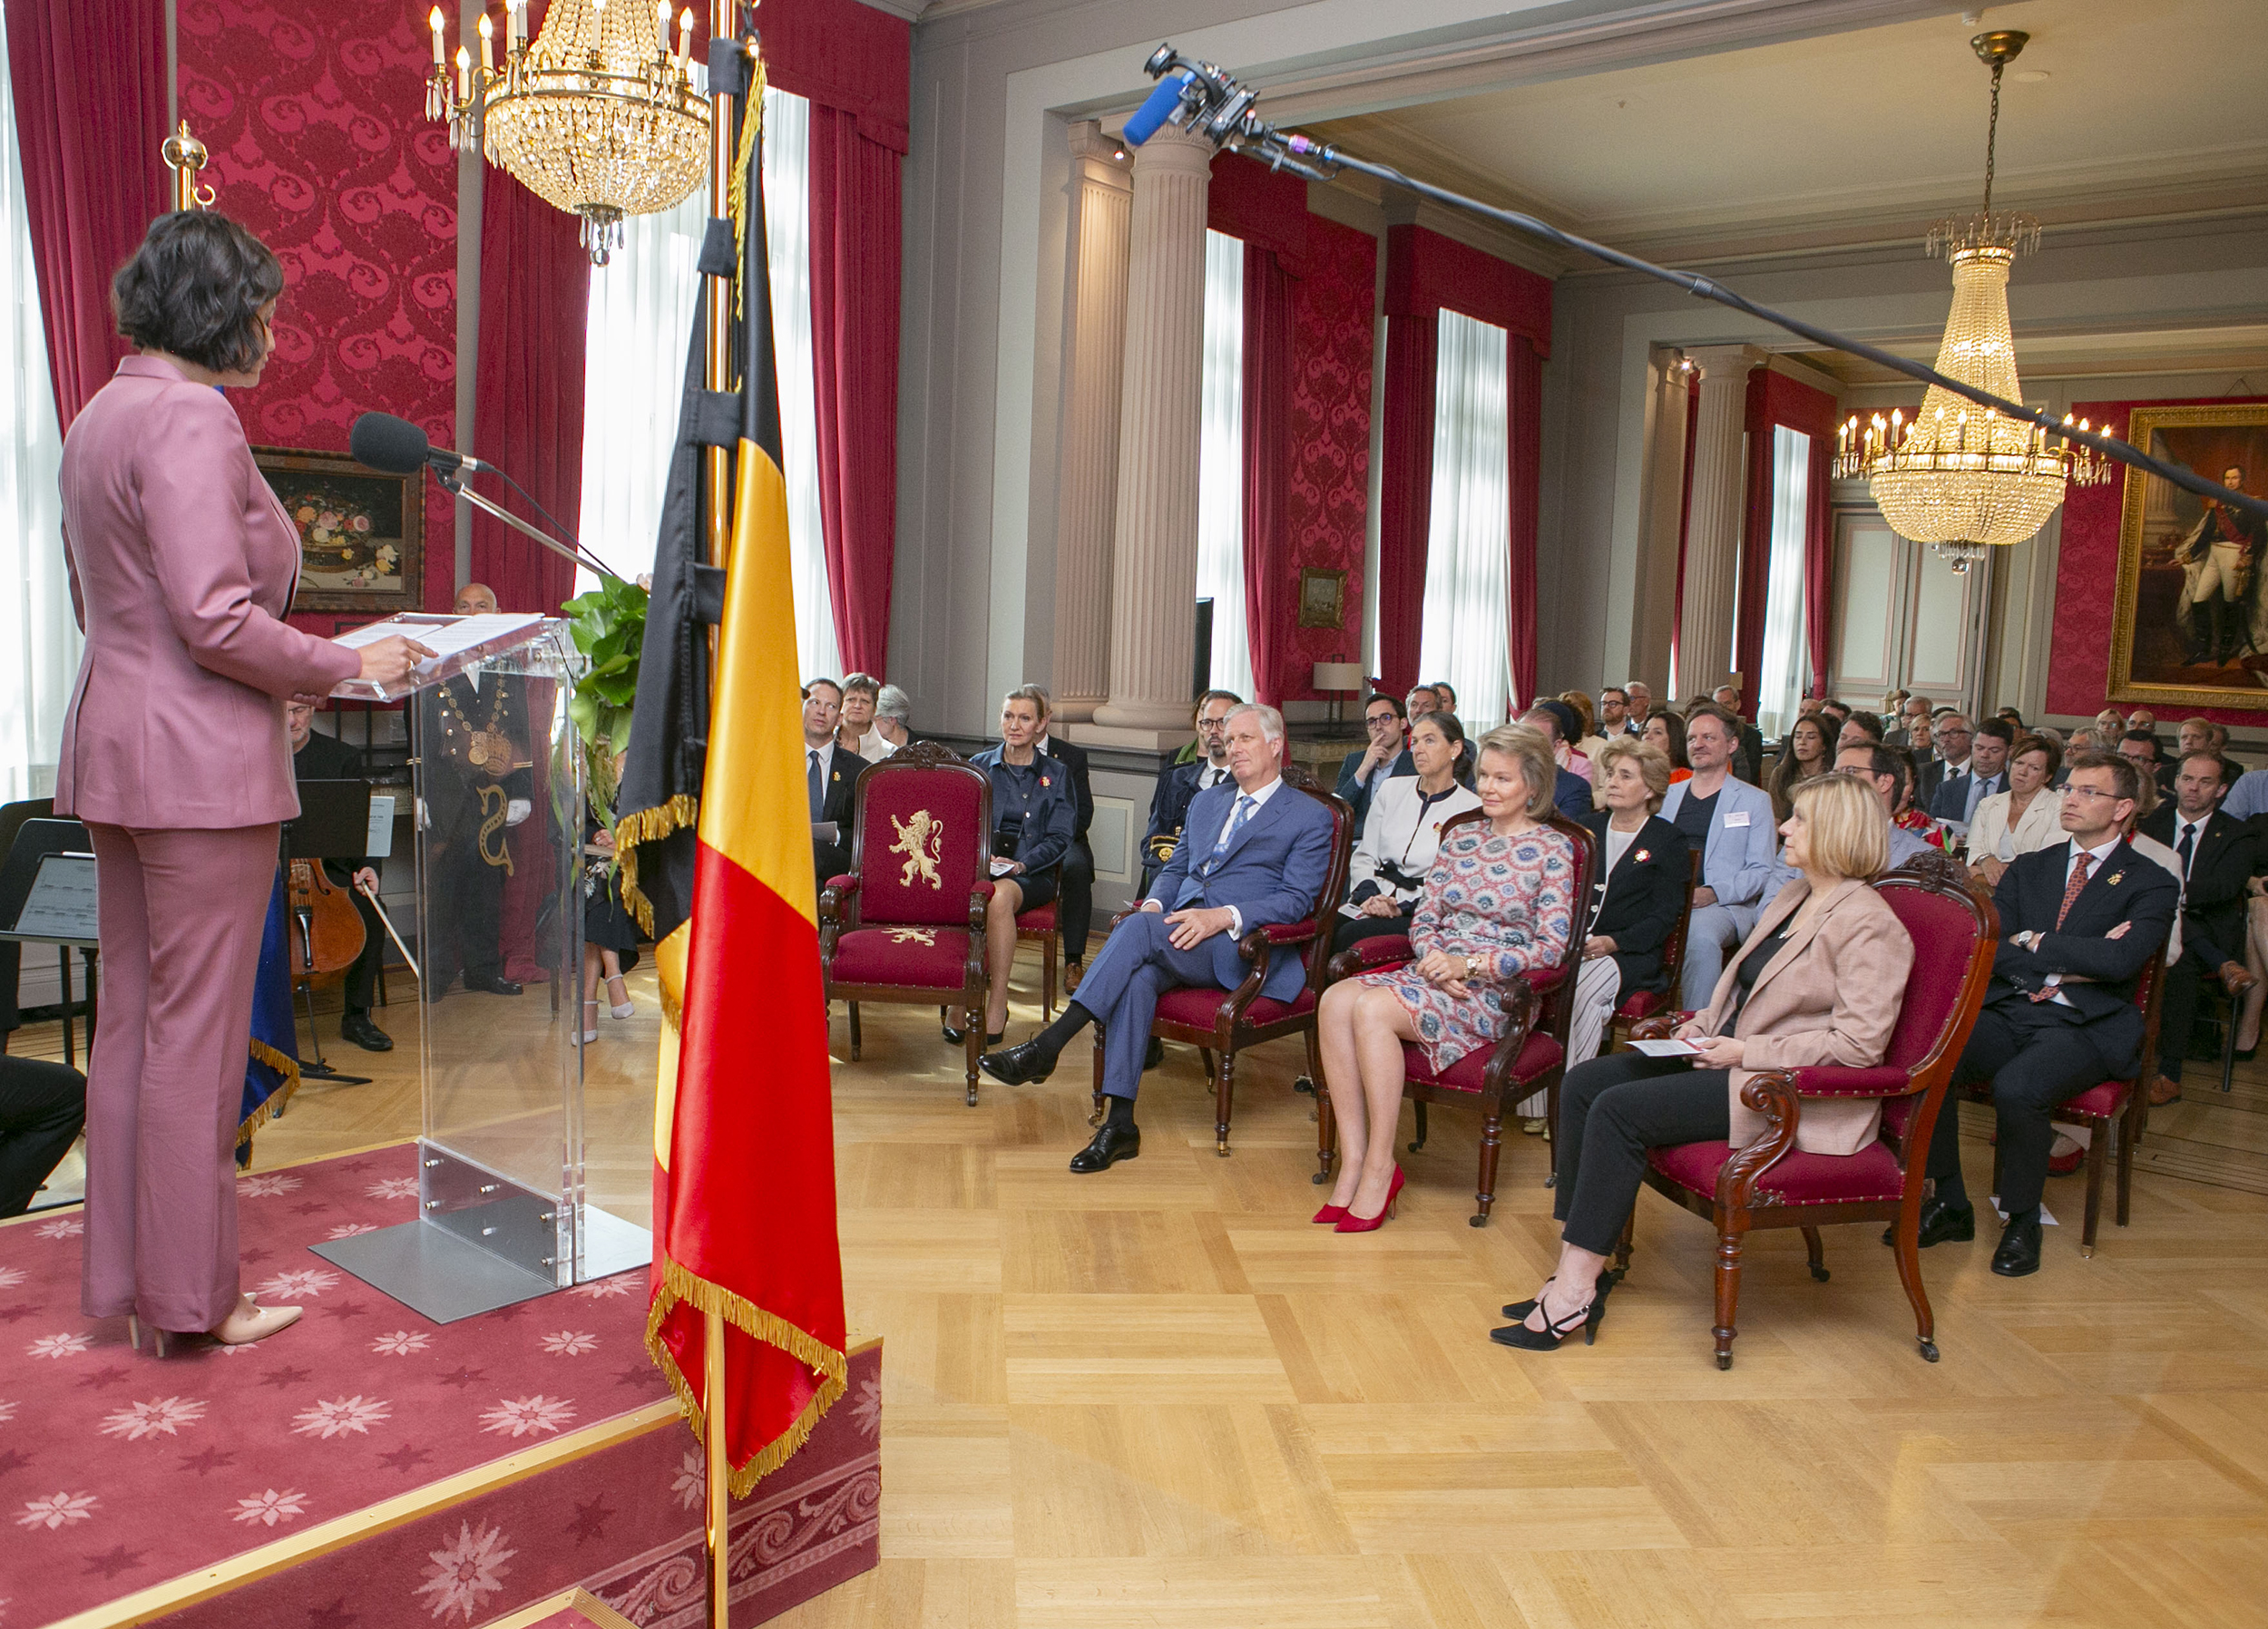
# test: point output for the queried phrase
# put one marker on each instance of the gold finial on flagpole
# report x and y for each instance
(185, 156)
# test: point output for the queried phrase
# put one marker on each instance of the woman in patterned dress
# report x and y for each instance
(1498, 903)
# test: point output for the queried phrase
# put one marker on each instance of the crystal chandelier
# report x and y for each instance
(1958, 476)
(597, 117)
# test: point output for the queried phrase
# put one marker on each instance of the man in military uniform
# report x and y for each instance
(2219, 560)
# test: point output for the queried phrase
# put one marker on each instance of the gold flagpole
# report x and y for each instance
(724, 25)
(185, 156)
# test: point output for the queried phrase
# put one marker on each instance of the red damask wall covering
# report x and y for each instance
(1330, 438)
(314, 111)
(2086, 566)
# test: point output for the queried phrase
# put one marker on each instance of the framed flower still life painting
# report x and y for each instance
(361, 532)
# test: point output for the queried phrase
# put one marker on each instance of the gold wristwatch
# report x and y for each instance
(1472, 967)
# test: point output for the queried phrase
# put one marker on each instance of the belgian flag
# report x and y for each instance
(744, 1150)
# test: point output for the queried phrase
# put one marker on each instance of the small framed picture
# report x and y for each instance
(1321, 597)
(362, 534)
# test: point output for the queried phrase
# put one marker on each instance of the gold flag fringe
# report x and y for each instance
(288, 1068)
(737, 190)
(833, 1366)
(649, 825)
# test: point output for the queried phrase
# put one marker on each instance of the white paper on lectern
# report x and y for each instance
(456, 642)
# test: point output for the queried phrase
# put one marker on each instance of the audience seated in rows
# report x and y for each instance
(1666, 733)
(1819, 979)
(1644, 870)
(1731, 823)
(1805, 752)
(2027, 816)
(1951, 738)
(1362, 771)
(1555, 721)
(2219, 856)
(1497, 904)
(1205, 767)
(1386, 877)
(1254, 854)
(1983, 772)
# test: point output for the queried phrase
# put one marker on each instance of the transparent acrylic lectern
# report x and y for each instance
(510, 1203)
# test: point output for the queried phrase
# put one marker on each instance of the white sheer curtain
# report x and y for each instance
(1220, 480)
(39, 637)
(1780, 686)
(640, 325)
(1468, 538)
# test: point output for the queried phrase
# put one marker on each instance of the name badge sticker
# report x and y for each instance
(1737, 818)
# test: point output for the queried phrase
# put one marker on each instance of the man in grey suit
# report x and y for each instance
(1730, 821)
(1253, 853)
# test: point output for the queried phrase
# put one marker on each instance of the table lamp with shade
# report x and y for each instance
(1338, 680)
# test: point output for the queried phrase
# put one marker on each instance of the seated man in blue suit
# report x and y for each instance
(1730, 821)
(1254, 853)
(1570, 792)
(1361, 773)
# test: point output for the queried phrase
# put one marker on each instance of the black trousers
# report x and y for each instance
(362, 979)
(469, 925)
(42, 1108)
(1354, 930)
(1075, 898)
(1613, 1109)
(2033, 1059)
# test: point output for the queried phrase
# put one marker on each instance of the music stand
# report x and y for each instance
(64, 916)
(333, 824)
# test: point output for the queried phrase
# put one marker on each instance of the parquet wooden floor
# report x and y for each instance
(1157, 1397)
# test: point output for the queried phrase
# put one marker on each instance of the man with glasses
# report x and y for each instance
(1980, 772)
(1641, 698)
(1362, 772)
(1207, 767)
(1614, 713)
(2078, 923)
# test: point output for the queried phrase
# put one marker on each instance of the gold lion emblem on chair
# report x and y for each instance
(921, 840)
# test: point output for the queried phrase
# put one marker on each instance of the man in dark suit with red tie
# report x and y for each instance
(2078, 925)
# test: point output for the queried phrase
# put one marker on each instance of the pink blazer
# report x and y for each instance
(182, 567)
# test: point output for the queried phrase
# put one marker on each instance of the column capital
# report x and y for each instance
(1096, 159)
(1174, 151)
(1720, 362)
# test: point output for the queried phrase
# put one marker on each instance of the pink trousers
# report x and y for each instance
(181, 917)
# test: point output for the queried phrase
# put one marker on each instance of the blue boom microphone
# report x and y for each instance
(1155, 112)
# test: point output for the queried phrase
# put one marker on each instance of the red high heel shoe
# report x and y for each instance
(1329, 1213)
(1350, 1223)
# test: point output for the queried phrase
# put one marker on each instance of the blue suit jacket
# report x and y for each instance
(1273, 873)
(1570, 795)
(1358, 793)
(1739, 862)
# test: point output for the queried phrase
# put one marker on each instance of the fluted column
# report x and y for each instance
(1655, 615)
(1711, 579)
(1153, 566)
(1086, 503)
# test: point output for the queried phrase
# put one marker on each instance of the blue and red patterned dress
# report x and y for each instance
(1509, 899)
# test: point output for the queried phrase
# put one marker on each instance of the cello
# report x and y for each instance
(324, 929)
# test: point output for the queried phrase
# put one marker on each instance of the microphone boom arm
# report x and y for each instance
(454, 480)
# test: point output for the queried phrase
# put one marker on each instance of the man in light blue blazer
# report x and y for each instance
(1254, 853)
(1731, 823)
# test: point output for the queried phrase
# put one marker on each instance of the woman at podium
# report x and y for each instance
(182, 568)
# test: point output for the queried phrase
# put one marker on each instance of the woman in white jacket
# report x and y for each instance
(2025, 817)
(1403, 828)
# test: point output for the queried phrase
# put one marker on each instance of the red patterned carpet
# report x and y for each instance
(120, 1469)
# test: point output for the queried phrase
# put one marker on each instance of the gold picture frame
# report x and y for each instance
(1321, 597)
(362, 534)
(2177, 636)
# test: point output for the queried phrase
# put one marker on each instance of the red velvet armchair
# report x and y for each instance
(1770, 1182)
(1531, 1057)
(1039, 927)
(1221, 1023)
(907, 924)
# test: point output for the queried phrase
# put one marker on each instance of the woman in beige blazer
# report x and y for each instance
(2028, 816)
(1819, 981)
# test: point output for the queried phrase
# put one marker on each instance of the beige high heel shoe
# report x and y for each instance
(245, 1324)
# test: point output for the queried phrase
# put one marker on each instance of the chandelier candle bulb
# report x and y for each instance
(685, 38)
(440, 51)
(463, 75)
(488, 46)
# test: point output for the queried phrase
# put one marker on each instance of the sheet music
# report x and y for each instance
(62, 903)
(381, 844)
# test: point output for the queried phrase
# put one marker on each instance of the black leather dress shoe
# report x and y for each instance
(357, 1027)
(1155, 1056)
(496, 984)
(1025, 1064)
(1111, 1145)
(2018, 1254)
(953, 1036)
(1941, 1223)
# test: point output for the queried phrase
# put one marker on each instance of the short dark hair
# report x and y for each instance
(1394, 702)
(194, 289)
(2126, 779)
(1841, 709)
(1197, 707)
(1871, 723)
(2143, 735)
(1564, 724)
(2227, 770)
(2039, 744)
(1709, 709)
(1615, 691)
(1885, 760)
(814, 684)
(1999, 729)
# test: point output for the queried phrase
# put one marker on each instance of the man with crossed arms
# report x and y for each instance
(1252, 855)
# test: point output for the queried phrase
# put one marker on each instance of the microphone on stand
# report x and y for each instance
(395, 446)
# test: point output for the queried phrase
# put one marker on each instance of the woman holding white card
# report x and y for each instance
(1818, 981)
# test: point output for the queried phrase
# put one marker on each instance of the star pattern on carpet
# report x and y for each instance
(112, 1561)
(257, 1253)
(10, 1459)
(110, 1374)
(591, 1519)
(464, 1377)
(637, 1374)
(208, 1461)
(309, 1207)
(286, 1376)
(348, 1309)
(407, 1457)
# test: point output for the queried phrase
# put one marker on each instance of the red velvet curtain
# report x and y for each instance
(1527, 474)
(89, 82)
(1405, 491)
(1269, 579)
(1775, 400)
(536, 296)
(855, 263)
